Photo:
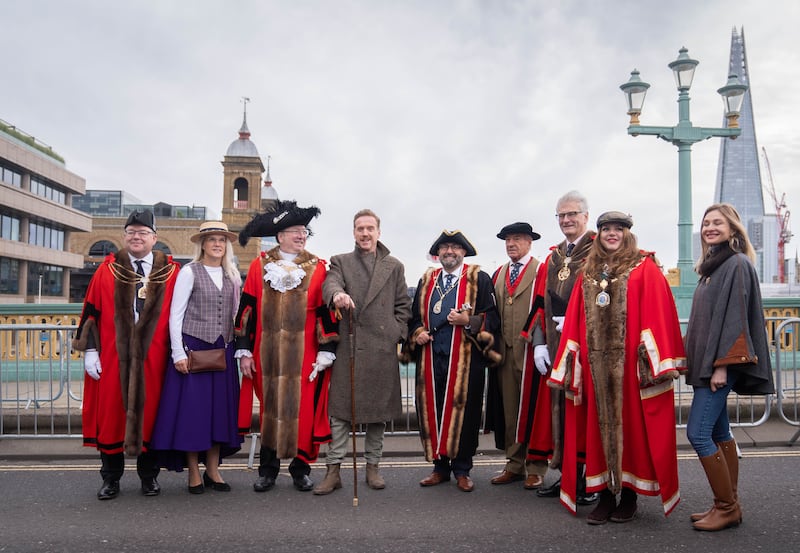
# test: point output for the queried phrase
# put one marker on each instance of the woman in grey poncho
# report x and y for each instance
(726, 349)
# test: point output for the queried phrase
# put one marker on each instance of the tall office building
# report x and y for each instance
(739, 173)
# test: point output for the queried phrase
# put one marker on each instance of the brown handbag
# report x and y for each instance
(206, 360)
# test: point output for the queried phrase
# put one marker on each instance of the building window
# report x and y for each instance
(9, 227)
(52, 278)
(240, 193)
(9, 176)
(45, 236)
(102, 248)
(47, 190)
(162, 247)
(9, 276)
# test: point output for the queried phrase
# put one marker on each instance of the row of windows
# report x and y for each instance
(51, 278)
(9, 227)
(41, 188)
(47, 237)
(10, 176)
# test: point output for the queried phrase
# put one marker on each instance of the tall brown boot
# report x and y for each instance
(374, 478)
(331, 482)
(732, 459)
(726, 512)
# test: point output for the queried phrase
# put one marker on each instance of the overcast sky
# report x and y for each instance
(436, 114)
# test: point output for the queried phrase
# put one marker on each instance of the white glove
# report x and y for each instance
(559, 323)
(91, 363)
(541, 358)
(324, 360)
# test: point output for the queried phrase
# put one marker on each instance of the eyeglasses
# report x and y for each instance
(138, 233)
(568, 215)
(298, 232)
(451, 247)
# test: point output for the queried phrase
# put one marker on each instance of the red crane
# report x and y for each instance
(782, 216)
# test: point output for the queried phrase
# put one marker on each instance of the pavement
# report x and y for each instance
(774, 432)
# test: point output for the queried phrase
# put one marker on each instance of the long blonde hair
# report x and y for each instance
(228, 266)
(739, 241)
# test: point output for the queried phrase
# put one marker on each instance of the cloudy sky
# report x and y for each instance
(436, 114)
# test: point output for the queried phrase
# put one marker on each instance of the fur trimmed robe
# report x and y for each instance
(119, 409)
(453, 430)
(617, 364)
(284, 331)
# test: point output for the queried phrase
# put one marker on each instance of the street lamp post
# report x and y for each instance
(683, 135)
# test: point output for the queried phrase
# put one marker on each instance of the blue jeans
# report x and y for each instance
(708, 422)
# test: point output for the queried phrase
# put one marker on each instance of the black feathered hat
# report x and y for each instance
(279, 216)
(453, 237)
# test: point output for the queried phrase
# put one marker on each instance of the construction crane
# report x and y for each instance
(782, 216)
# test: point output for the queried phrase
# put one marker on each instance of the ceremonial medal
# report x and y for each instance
(510, 301)
(142, 293)
(603, 298)
(437, 307)
(564, 272)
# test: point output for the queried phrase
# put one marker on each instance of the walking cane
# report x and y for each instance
(351, 336)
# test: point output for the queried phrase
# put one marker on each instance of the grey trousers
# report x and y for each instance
(340, 434)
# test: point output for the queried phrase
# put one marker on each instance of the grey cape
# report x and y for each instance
(726, 328)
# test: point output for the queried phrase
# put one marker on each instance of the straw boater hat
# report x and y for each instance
(212, 227)
(518, 228)
(453, 237)
(278, 217)
(615, 217)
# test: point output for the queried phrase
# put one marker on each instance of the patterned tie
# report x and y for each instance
(514, 272)
(139, 285)
(570, 247)
(448, 281)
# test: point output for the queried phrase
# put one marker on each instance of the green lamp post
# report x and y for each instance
(683, 135)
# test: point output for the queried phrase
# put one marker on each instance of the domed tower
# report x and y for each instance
(242, 170)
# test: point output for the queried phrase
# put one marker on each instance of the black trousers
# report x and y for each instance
(113, 465)
(270, 465)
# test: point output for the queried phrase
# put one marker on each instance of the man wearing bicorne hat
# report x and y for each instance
(124, 332)
(514, 385)
(454, 335)
(285, 339)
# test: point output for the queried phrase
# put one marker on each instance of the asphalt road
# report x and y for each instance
(48, 507)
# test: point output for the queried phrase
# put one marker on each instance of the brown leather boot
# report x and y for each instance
(726, 512)
(374, 478)
(332, 481)
(732, 458)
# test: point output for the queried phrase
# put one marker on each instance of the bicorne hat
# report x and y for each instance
(279, 216)
(453, 237)
(615, 217)
(212, 227)
(144, 218)
(518, 228)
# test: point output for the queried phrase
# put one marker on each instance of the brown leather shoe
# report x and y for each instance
(533, 481)
(465, 483)
(506, 477)
(434, 479)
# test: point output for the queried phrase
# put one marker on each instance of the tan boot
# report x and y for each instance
(732, 459)
(726, 512)
(331, 482)
(374, 478)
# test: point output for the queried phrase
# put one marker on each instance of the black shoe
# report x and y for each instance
(198, 489)
(264, 483)
(553, 490)
(587, 498)
(214, 485)
(109, 489)
(303, 483)
(150, 486)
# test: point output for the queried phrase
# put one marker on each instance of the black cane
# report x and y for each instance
(351, 336)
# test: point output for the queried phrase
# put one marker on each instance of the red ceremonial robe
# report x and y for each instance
(119, 409)
(628, 411)
(284, 331)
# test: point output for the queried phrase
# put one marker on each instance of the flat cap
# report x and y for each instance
(615, 217)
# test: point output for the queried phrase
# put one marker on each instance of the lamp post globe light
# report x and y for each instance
(683, 135)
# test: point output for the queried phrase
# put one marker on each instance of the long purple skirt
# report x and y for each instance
(197, 411)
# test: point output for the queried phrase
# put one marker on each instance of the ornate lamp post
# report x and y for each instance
(683, 135)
